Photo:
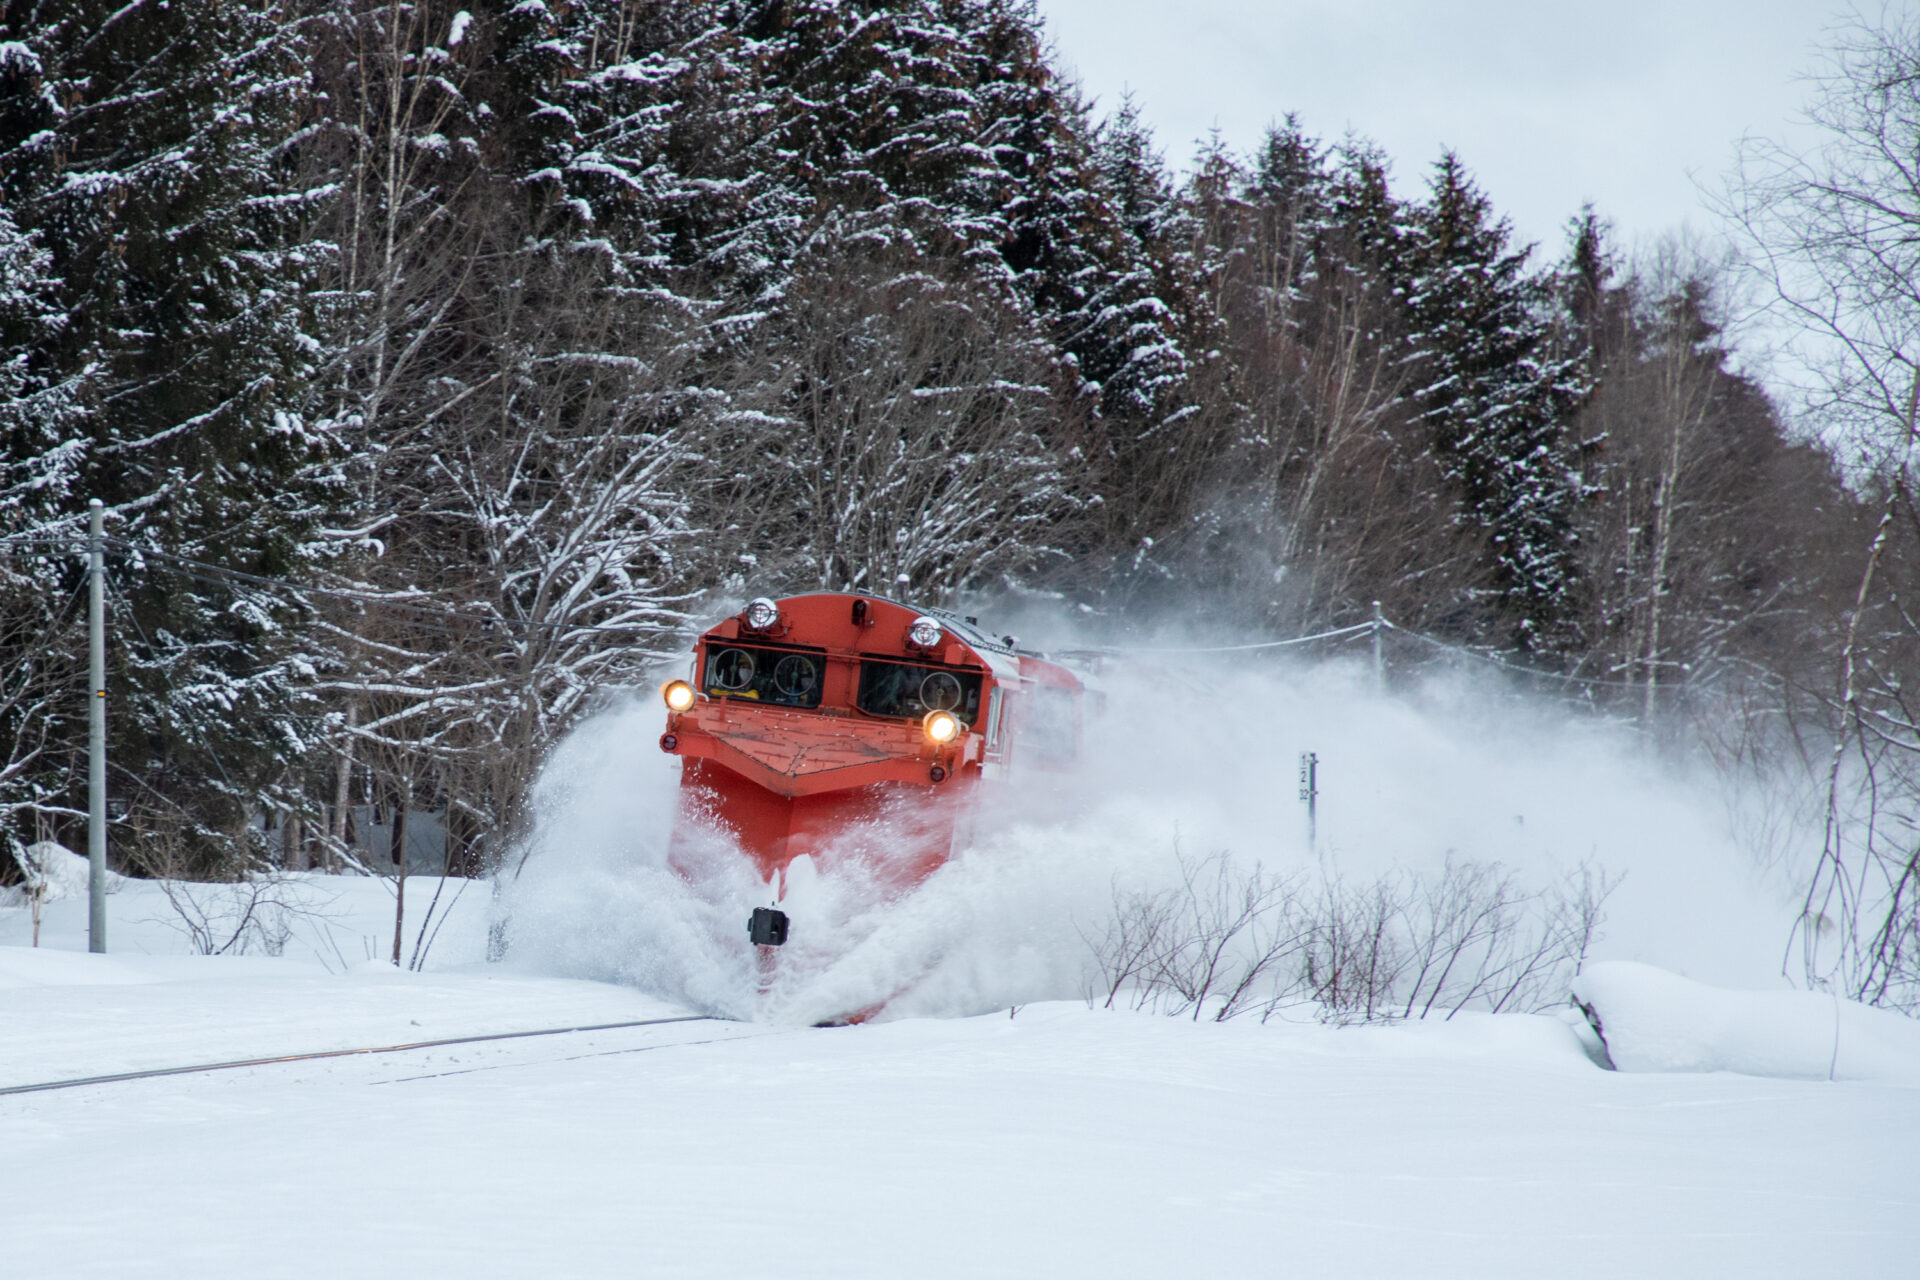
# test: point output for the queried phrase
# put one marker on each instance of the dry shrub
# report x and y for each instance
(1230, 939)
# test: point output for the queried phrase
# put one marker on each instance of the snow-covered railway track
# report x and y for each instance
(413, 1046)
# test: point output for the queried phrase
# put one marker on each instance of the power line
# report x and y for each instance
(1337, 633)
(1376, 628)
(1504, 665)
(75, 541)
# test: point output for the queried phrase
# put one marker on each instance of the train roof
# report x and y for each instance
(964, 627)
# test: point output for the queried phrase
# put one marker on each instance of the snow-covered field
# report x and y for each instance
(1058, 1141)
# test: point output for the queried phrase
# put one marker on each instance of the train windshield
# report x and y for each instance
(780, 677)
(902, 689)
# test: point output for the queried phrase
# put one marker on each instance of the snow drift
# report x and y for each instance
(1652, 1020)
(59, 871)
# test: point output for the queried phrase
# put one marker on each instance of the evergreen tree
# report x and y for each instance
(42, 408)
(1586, 287)
(1495, 398)
(1139, 361)
(1101, 246)
(146, 146)
(739, 141)
(42, 448)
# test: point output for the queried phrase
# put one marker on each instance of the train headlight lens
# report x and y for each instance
(924, 632)
(941, 727)
(762, 614)
(678, 695)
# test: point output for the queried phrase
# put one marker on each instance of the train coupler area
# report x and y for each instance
(767, 927)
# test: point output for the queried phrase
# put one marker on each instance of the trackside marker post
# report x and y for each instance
(1310, 791)
(96, 735)
(1379, 671)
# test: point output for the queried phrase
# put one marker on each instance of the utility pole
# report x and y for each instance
(96, 732)
(1379, 672)
(1309, 790)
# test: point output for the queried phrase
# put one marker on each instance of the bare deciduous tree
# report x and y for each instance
(1836, 233)
(903, 434)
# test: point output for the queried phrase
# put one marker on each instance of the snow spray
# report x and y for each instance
(1194, 755)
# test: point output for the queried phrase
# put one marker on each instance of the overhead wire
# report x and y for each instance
(1338, 632)
(1365, 628)
(1505, 665)
(77, 537)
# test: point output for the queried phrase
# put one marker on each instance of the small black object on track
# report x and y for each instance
(767, 927)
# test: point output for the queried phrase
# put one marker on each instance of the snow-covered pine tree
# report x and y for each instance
(1596, 309)
(1496, 399)
(737, 128)
(1100, 250)
(42, 416)
(146, 146)
(42, 446)
(674, 152)
(877, 114)
(1136, 337)
(743, 141)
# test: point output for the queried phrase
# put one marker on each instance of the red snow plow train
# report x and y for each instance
(808, 718)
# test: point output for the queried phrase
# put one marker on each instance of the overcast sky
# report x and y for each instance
(1549, 102)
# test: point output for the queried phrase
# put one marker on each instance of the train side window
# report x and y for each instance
(1050, 725)
(996, 712)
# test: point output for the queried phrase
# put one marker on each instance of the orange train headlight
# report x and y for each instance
(678, 695)
(941, 727)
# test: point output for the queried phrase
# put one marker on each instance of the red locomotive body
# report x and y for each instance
(816, 716)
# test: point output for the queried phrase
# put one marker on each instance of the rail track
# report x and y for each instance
(365, 1051)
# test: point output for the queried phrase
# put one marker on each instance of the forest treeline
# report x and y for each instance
(434, 360)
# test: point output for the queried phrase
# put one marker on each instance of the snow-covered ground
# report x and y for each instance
(1056, 1141)
(1751, 1130)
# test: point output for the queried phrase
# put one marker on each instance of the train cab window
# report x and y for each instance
(778, 677)
(901, 689)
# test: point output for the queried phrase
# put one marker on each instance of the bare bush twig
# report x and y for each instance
(1229, 940)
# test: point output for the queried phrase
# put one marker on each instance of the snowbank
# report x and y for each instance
(1059, 1142)
(62, 870)
(1653, 1020)
(337, 922)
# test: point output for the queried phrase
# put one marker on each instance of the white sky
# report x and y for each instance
(1549, 102)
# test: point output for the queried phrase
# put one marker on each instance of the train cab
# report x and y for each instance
(808, 719)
